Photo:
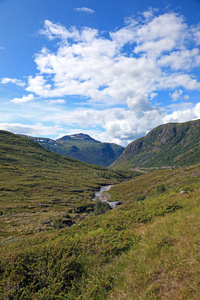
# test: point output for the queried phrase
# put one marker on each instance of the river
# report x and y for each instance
(98, 196)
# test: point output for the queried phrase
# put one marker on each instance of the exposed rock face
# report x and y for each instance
(172, 144)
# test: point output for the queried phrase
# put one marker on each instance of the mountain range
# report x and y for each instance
(168, 145)
(172, 144)
(82, 147)
(57, 242)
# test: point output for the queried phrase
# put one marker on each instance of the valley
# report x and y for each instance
(57, 243)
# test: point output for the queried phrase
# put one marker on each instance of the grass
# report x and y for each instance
(38, 186)
(147, 248)
(166, 263)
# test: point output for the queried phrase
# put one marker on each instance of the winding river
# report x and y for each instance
(98, 196)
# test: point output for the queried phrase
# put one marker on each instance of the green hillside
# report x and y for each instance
(41, 190)
(173, 144)
(147, 248)
(84, 148)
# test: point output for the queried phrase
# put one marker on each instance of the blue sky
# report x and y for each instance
(110, 69)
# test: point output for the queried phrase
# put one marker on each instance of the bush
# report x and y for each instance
(139, 198)
(160, 189)
(101, 207)
(56, 223)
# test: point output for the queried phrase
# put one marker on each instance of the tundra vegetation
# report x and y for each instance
(146, 248)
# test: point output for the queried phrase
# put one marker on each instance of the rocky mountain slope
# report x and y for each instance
(84, 148)
(172, 144)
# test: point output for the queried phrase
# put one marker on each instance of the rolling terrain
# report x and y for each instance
(172, 144)
(41, 190)
(146, 248)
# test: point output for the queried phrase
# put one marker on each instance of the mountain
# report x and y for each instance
(146, 248)
(84, 148)
(38, 185)
(172, 144)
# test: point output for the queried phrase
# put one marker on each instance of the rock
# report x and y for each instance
(33, 176)
(68, 222)
(119, 203)
(81, 209)
(79, 217)
(67, 216)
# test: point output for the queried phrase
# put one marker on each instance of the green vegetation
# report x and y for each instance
(147, 248)
(101, 207)
(38, 187)
(161, 189)
(173, 144)
(84, 148)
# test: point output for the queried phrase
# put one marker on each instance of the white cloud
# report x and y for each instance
(162, 34)
(53, 31)
(126, 69)
(196, 33)
(119, 124)
(181, 60)
(57, 101)
(84, 10)
(176, 95)
(14, 81)
(92, 66)
(32, 130)
(24, 99)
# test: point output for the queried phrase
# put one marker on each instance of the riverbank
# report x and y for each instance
(104, 196)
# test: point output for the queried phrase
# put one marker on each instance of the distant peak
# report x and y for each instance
(78, 136)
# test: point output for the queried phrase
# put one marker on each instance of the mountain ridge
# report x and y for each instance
(82, 147)
(171, 144)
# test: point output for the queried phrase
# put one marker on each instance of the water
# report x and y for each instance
(99, 193)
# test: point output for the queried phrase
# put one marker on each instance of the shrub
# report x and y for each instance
(57, 223)
(139, 198)
(101, 207)
(160, 189)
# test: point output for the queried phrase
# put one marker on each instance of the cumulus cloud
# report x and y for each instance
(84, 10)
(184, 59)
(24, 99)
(183, 115)
(123, 71)
(176, 95)
(14, 81)
(92, 66)
(120, 124)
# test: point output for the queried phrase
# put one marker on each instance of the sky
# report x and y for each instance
(112, 69)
